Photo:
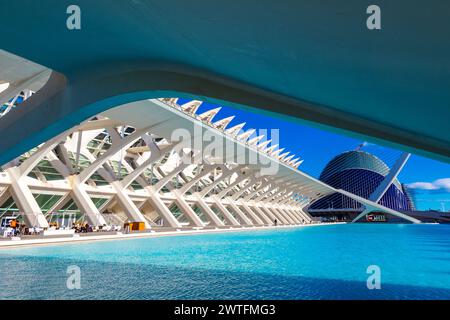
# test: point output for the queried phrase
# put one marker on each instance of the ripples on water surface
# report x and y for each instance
(326, 262)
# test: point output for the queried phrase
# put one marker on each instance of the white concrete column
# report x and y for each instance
(84, 202)
(162, 209)
(187, 210)
(268, 213)
(262, 214)
(130, 209)
(252, 215)
(25, 200)
(289, 213)
(228, 216)
(276, 214)
(296, 214)
(284, 214)
(208, 211)
(285, 210)
(305, 216)
(240, 213)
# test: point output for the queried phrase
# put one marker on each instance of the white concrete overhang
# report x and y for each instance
(164, 120)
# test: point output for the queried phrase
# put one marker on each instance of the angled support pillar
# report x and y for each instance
(305, 214)
(240, 179)
(40, 153)
(84, 202)
(263, 215)
(130, 209)
(188, 211)
(286, 210)
(239, 212)
(228, 216)
(300, 209)
(279, 217)
(268, 213)
(209, 212)
(257, 220)
(25, 200)
(284, 214)
(114, 149)
(253, 181)
(226, 173)
(296, 214)
(385, 184)
(161, 209)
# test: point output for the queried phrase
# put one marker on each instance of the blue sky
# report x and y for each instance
(317, 147)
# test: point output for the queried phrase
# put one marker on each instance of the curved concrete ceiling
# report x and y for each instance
(310, 60)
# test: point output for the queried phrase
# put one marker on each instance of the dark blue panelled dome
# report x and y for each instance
(360, 173)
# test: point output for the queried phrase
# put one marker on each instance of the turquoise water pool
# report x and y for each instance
(325, 262)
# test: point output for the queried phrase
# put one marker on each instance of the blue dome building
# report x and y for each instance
(360, 173)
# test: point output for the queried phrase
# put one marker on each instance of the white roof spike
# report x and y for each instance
(264, 144)
(244, 136)
(271, 148)
(254, 141)
(288, 159)
(291, 163)
(277, 152)
(209, 115)
(191, 106)
(297, 164)
(222, 124)
(235, 130)
(282, 156)
(170, 101)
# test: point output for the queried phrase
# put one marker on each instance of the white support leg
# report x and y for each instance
(25, 200)
(262, 215)
(290, 214)
(277, 214)
(239, 212)
(285, 214)
(187, 210)
(130, 209)
(228, 216)
(162, 209)
(85, 204)
(208, 211)
(269, 214)
(252, 215)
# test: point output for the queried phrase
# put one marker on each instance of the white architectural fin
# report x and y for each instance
(209, 115)
(288, 159)
(170, 101)
(235, 130)
(271, 148)
(263, 145)
(282, 156)
(277, 152)
(222, 124)
(191, 106)
(297, 164)
(254, 141)
(244, 136)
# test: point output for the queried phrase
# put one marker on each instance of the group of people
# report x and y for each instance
(13, 228)
(86, 227)
(82, 228)
(16, 229)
